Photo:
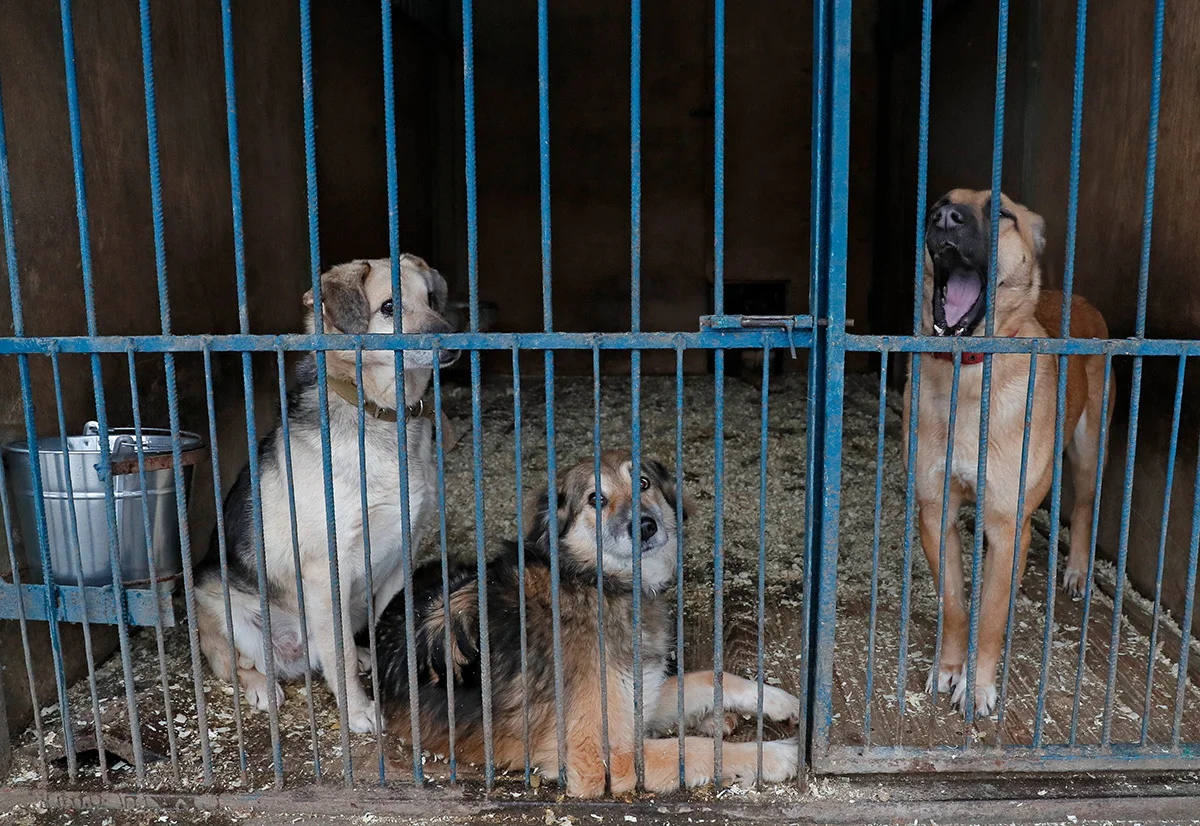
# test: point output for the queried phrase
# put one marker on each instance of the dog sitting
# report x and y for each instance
(577, 502)
(958, 241)
(356, 298)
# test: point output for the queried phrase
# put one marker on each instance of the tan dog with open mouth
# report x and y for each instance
(957, 246)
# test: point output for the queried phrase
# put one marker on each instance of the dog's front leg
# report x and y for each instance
(360, 710)
(739, 762)
(740, 697)
(993, 616)
(955, 626)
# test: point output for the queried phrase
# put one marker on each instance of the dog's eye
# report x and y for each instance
(592, 500)
(645, 483)
(387, 308)
(1004, 213)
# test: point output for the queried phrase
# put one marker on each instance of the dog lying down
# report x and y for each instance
(577, 502)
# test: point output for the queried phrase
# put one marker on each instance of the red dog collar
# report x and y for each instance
(967, 358)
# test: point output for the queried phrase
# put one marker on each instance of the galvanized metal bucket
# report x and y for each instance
(146, 519)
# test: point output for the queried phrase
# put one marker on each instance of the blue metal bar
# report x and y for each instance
(970, 676)
(910, 524)
(947, 477)
(368, 574)
(152, 567)
(1015, 759)
(1185, 627)
(1015, 579)
(1052, 551)
(1087, 590)
(555, 607)
(1162, 549)
(762, 558)
(314, 255)
(600, 563)
(485, 640)
(869, 692)
(635, 165)
(447, 641)
(833, 310)
(85, 257)
(635, 469)
(679, 608)
(320, 343)
(1151, 167)
(76, 547)
(1114, 643)
(719, 387)
(1076, 152)
(469, 141)
(922, 170)
(1049, 346)
(214, 452)
(407, 549)
(286, 436)
(543, 39)
(142, 605)
(522, 607)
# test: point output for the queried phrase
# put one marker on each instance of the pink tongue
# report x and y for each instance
(962, 290)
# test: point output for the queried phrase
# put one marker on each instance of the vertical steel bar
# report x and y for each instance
(447, 638)
(910, 524)
(922, 175)
(368, 574)
(152, 567)
(476, 414)
(314, 252)
(1140, 332)
(1162, 549)
(948, 475)
(286, 435)
(407, 549)
(543, 37)
(239, 257)
(719, 385)
(1014, 580)
(164, 309)
(522, 607)
(1189, 606)
(14, 286)
(101, 754)
(85, 254)
(222, 551)
(1087, 588)
(869, 689)
(763, 447)
(596, 481)
(970, 676)
(635, 366)
(1076, 152)
(679, 608)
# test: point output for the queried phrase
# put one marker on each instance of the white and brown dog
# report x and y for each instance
(356, 298)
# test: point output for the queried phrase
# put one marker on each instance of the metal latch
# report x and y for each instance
(787, 323)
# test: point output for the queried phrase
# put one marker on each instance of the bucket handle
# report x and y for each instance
(159, 461)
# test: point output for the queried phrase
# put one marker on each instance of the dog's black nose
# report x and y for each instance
(649, 527)
(946, 217)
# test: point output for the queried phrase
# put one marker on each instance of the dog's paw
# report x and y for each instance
(364, 659)
(985, 696)
(1074, 581)
(362, 719)
(780, 705)
(946, 678)
(706, 726)
(256, 694)
(780, 761)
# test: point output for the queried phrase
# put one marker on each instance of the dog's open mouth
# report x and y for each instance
(957, 302)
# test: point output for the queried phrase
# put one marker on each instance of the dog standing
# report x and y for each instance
(356, 298)
(958, 240)
(512, 693)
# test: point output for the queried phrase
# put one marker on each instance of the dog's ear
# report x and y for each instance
(1037, 231)
(667, 484)
(343, 300)
(539, 531)
(436, 286)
